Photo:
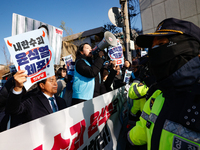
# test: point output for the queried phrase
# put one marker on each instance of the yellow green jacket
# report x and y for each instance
(138, 134)
(174, 136)
(137, 93)
(174, 120)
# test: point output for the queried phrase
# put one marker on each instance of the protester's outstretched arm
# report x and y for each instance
(111, 75)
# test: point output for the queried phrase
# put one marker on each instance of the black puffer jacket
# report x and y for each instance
(90, 71)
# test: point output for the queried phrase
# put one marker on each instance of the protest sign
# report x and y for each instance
(116, 53)
(67, 59)
(70, 64)
(94, 124)
(70, 68)
(21, 24)
(127, 76)
(31, 51)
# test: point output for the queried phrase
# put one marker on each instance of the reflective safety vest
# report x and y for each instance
(137, 93)
(173, 136)
(137, 135)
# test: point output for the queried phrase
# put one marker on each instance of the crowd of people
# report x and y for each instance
(93, 76)
(164, 87)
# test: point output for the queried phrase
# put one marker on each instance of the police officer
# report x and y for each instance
(174, 120)
(139, 93)
(137, 136)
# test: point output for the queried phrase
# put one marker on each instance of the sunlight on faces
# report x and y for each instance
(50, 86)
(63, 73)
(87, 50)
(127, 64)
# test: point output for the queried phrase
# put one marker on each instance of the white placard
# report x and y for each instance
(116, 53)
(31, 51)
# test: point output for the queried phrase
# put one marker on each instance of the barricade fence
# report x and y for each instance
(95, 124)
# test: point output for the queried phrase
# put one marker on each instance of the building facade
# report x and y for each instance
(154, 11)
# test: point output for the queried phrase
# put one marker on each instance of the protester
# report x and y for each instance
(126, 66)
(63, 90)
(108, 75)
(4, 92)
(86, 84)
(105, 71)
(174, 120)
(61, 81)
(34, 104)
(118, 79)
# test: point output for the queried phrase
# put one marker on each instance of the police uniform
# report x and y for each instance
(137, 93)
(174, 120)
(138, 134)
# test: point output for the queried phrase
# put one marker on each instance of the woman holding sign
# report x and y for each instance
(87, 81)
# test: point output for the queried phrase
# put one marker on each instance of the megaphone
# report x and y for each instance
(109, 39)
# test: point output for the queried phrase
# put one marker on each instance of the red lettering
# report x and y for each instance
(58, 31)
(60, 143)
(78, 128)
(96, 120)
(93, 124)
(103, 116)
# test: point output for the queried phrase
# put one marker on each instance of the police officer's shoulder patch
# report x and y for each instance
(181, 144)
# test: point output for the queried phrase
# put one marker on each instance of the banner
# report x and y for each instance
(94, 124)
(31, 51)
(21, 24)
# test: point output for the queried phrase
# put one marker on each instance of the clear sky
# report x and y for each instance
(79, 15)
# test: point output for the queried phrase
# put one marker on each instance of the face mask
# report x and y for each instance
(164, 60)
